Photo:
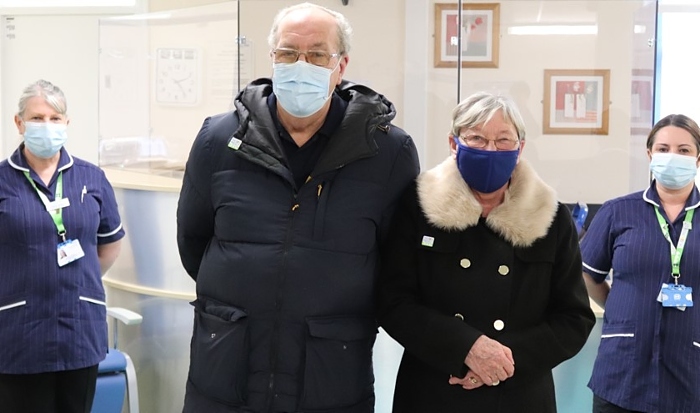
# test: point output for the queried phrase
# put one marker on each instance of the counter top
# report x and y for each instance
(142, 180)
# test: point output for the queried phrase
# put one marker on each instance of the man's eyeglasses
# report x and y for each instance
(479, 142)
(315, 57)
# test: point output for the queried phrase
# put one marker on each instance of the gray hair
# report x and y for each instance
(44, 89)
(344, 29)
(480, 107)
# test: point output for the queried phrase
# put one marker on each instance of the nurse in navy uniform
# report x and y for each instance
(59, 232)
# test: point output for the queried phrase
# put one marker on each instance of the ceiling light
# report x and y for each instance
(553, 29)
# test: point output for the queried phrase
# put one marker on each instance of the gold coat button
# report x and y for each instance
(499, 325)
(503, 270)
(465, 263)
(460, 316)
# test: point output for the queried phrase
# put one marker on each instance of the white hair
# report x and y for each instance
(344, 29)
(480, 107)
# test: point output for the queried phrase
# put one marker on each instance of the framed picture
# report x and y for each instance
(642, 102)
(576, 102)
(479, 34)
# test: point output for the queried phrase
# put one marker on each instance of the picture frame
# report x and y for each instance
(576, 102)
(641, 102)
(480, 35)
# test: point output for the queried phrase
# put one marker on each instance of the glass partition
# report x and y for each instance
(160, 75)
(582, 73)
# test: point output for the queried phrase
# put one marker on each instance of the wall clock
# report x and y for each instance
(177, 76)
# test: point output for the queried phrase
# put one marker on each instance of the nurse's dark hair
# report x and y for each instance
(677, 120)
(44, 89)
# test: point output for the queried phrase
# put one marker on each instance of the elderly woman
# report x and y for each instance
(650, 347)
(481, 281)
(60, 232)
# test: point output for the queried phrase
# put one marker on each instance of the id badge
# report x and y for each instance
(69, 251)
(60, 203)
(676, 295)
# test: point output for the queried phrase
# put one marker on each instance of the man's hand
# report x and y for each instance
(491, 361)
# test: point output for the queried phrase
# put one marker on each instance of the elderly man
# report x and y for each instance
(284, 206)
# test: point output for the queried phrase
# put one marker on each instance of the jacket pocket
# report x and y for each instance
(219, 351)
(338, 370)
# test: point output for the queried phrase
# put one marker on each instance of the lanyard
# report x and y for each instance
(676, 251)
(56, 214)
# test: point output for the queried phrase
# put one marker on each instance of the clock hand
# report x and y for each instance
(178, 81)
(181, 88)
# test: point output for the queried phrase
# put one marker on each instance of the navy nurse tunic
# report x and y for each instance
(649, 355)
(53, 318)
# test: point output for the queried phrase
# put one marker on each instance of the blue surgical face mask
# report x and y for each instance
(485, 171)
(44, 139)
(301, 88)
(672, 170)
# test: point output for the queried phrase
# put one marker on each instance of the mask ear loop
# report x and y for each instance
(333, 70)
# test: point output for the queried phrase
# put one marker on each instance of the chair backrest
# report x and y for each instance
(116, 375)
(579, 213)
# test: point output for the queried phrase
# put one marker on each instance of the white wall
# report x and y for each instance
(59, 45)
(43, 49)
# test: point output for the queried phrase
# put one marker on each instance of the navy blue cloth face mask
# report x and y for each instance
(485, 171)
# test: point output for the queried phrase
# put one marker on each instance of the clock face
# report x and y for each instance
(177, 76)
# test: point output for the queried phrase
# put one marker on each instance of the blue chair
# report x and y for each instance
(116, 376)
(579, 213)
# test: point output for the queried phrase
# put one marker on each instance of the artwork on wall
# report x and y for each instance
(479, 35)
(642, 102)
(576, 102)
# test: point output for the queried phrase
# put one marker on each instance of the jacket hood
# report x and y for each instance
(527, 211)
(363, 98)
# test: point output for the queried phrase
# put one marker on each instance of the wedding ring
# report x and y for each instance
(473, 380)
(496, 383)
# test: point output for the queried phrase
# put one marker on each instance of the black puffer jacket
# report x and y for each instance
(284, 316)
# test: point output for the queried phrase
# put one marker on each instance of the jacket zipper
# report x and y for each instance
(278, 308)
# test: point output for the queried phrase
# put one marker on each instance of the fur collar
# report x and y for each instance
(525, 215)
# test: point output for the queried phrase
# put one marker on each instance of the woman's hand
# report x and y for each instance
(470, 382)
(490, 360)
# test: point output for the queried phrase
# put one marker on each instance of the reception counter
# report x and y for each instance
(148, 278)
